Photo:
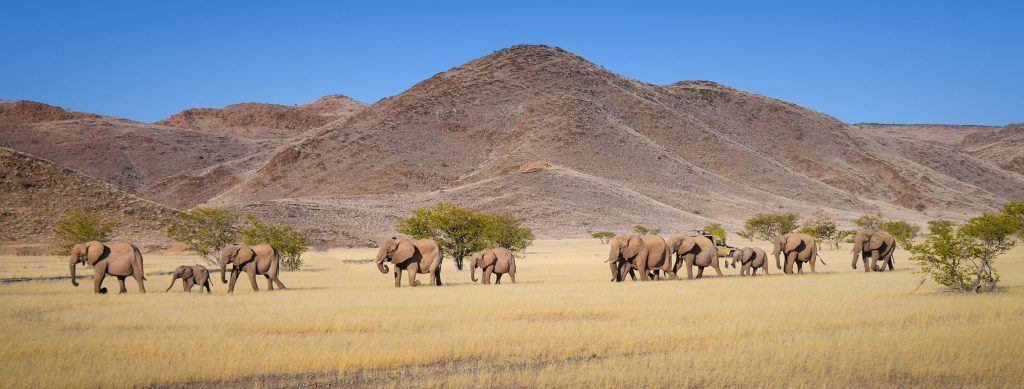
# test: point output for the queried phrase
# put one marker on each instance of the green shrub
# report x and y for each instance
(78, 226)
(461, 231)
(289, 242)
(205, 230)
(767, 226)
(604, 236)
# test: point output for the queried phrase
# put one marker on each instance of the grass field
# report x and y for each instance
(343, 323)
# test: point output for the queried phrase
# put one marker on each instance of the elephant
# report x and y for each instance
(694, 250)
(750, 259)
(877, 245)
(117, 259)
(254, 260)
(644, 254)
(499, 261)
(797, 248)
(421, 256)
(191, 276)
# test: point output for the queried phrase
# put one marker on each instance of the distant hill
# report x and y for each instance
(543, 133)
(37, 193)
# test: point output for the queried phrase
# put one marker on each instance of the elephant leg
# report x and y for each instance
(799, 267)
(398, 277)
(413, 270)
(188, 285)
(811, 263)
(745, 270)
(497, 278)
(700, 271)
(790, 258)
(715, 265)
(280, 285)
(642, 269)
(437, 274)
(120, 280)
(678, 264)
(689, 268)
(487, 275)
(234, 277)
(252, 280)
(270, 283)
(874, 261)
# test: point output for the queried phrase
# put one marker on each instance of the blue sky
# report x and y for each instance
(886, 61)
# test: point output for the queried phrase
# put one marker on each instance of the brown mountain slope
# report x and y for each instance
(36, 193)
(265, 121)
(699, 148)
(1002, 146)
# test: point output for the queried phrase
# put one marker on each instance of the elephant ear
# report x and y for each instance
(403, 251)
(242, 255)
(186, 272)
(93, 251)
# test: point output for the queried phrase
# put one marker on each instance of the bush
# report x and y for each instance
(289, 242)
(767, 226)
(821, 226)
(78, 226)
(642, 230)
(901, 231)
(716, 230)
(461, 231)
(870, 221)
(962, 258)
(604, 236)
(920, 207)
(205, 230)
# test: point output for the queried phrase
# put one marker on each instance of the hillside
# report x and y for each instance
(180, 167)
(625, 152)
(37, 193)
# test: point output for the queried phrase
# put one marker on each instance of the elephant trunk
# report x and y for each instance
(384, 268)
(777, 263)
(857, 247)
(223, 269)
(173, 278)
(71, 267)
(472, 270)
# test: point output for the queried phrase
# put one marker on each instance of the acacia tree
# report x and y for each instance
(716, 230)
(767, 226)
(901, 231)
(460, 231)
(603, 236)
(78, 226)
(284, 238)
(205, 230)
(962, 258)
(870, 221)
(821, 226)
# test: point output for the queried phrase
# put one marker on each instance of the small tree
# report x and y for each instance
(901, 231)
(603, 236)
(870, 221)
(767, 226)
(505, 230)
(78, 226)
(821, 226)
(1015, 210)
(920, 207)
(284, 238)
(962, 258)
(460, 231)
(716, 230)
(843, 236)
(641, 230)
(747, 234)
(205, 230)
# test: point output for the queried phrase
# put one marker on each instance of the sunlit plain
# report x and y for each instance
(564, 324)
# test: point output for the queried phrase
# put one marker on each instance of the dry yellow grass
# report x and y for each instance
(563, 325)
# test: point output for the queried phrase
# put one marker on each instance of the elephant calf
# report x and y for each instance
(499, 261)
(191, 276)
(750, 259)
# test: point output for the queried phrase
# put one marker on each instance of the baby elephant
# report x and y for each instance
(190, 276)
(751, 258)
(497, 260)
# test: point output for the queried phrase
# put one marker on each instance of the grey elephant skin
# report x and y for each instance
(420, 256)
(261, 259)
(118, 259)
(191, 276)
(498, 261)
(750, 259)
(874, 245)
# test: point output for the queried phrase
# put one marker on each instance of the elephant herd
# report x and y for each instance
(651, 256)
(123, 260)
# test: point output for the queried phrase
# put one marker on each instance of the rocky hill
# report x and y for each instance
(622, 152)
(36, 193)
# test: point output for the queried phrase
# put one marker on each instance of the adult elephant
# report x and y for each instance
(877, 245)
(796, 248)
(499, 261)
(629, 252)
(420, 256)
(117, 259)
(694, 251)
(191, 276)
(750, 259)
(261, 259)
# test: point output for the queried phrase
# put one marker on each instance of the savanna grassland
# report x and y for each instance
(342, 323)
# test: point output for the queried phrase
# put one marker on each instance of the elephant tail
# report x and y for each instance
(138, 259)
(819, 256)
